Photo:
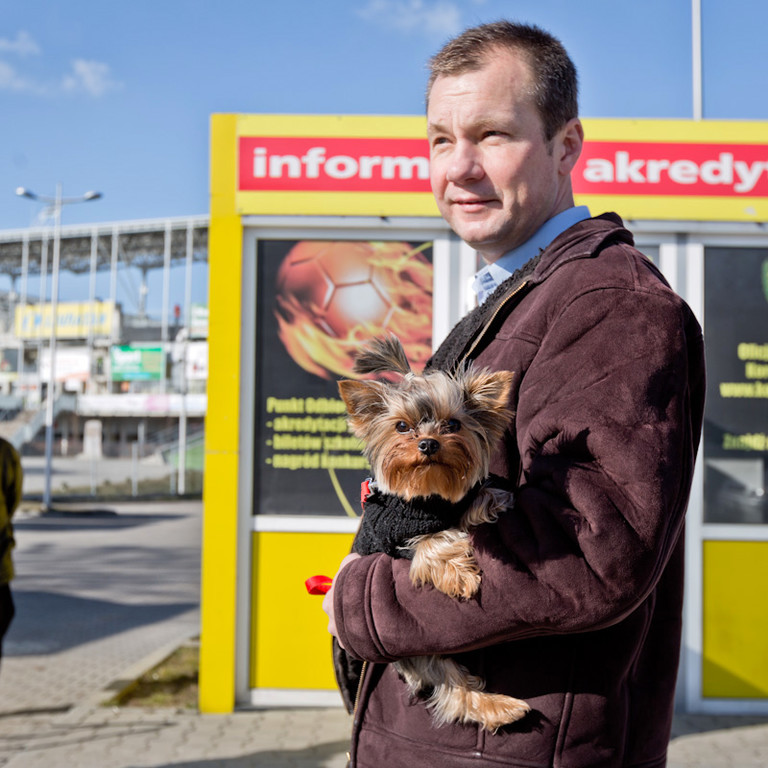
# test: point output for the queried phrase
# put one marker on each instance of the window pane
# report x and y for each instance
(317, 303)
(736, 418)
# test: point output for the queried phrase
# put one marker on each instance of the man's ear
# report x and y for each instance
(569, 145)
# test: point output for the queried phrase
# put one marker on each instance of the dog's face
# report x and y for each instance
(430, 434)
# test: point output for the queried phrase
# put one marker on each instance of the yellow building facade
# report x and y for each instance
(323, 231)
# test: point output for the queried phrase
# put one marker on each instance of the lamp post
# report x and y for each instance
(54, 206)
(697, 77)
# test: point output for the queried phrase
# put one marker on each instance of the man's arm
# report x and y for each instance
(607, 441)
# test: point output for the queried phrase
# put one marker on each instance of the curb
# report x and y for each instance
(129, 677)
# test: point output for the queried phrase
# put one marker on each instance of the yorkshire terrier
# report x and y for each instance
(429, 439)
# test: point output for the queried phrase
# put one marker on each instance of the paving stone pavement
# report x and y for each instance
(103, 737)
(88, 737)
(709, 741)
(103, 596)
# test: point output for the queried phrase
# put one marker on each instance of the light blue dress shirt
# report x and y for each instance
(493, 275)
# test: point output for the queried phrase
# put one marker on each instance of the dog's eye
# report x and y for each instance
(452, 425)
(402, 427)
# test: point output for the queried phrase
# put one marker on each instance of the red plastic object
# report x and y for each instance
(318, 585)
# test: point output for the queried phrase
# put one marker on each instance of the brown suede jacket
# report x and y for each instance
(579, 611)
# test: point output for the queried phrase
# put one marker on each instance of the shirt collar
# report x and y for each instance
(493, 275)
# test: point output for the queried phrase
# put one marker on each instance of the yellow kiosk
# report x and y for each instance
(323, 232)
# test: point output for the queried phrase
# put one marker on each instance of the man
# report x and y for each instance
(579, 611)
(10, 496)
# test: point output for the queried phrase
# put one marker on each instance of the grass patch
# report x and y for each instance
(195, 456)
(160, 486)
(172, 683)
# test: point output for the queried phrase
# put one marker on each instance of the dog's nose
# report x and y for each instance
(428, 446)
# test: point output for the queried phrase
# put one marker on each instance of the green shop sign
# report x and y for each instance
(137, 363)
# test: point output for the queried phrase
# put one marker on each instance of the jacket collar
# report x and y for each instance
(463, 338)
(584, 239)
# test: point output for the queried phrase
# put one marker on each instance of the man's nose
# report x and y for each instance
(465, 163)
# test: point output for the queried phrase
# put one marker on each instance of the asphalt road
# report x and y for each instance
(98, 589)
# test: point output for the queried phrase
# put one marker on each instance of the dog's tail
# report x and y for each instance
(385, 355)
(453, 694)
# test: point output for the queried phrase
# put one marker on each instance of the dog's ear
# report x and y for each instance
(385, 355)
(488, 390)
(487, 397)
(364, 400)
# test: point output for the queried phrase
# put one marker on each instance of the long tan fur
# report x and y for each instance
(394, 418)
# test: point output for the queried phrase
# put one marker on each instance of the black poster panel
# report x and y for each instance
(317, 302)
(736, 419)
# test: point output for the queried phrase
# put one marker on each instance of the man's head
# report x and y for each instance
(504, 134)
(554, 81)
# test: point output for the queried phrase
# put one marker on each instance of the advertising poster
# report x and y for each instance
(73, 364)
(137, 363)
(736, 423)
(74, 320)
(317, 303)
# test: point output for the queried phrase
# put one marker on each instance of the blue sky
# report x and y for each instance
(116, 96)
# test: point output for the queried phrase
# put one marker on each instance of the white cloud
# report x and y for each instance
(11, 80)
(85, 76)
(441, 18)
(93, 77)
(23, 45)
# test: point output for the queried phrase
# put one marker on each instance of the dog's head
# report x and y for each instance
(426, 434)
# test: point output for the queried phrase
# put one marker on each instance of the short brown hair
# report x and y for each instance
(554, 74)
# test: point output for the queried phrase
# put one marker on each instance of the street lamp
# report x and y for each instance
(54, 206)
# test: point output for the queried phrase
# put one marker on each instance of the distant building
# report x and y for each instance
(135, 373)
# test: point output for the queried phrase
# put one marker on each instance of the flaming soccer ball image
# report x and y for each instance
(333, 296)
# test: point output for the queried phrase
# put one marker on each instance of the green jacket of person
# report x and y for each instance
(10, 496)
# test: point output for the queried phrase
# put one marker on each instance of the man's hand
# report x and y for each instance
(328, 599)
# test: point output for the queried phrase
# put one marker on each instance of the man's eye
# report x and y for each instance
(402, 426)
(452, 425)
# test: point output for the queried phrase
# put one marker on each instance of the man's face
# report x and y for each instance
(496, 180)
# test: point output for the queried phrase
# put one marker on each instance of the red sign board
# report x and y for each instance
(659, 168)
(402, 165)
(333, 164)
